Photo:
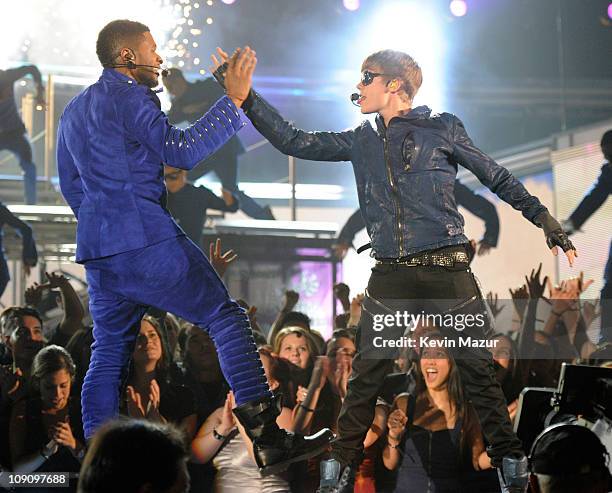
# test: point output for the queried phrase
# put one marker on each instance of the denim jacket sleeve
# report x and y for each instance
(495, 177)
(180, 148)
(315, 146)
(69, 178)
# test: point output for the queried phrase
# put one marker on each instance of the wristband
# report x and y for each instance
(218, 435)
(310, 410)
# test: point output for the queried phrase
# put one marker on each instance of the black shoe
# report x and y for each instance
(274, 448)
(335, 479)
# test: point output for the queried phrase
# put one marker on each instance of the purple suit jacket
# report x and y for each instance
(113, 140)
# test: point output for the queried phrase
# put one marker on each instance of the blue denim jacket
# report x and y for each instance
(112, 142)
(405, 174)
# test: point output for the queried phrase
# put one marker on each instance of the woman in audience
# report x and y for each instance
(428, 448)
(150, 394)
(46, 429)
(222, 440)
(509, 370)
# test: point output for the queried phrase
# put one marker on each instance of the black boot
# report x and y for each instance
(335, 478)
(274, 448)
(514, 475)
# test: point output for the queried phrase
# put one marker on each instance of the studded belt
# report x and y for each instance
(442, 259)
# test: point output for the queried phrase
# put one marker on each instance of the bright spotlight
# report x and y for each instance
(351, 4)
(458, 8)
(228, 2)
(415, 29)
(610, 11)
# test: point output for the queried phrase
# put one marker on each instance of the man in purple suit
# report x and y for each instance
(113, 141)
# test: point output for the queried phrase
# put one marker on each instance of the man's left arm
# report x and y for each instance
(501, 182)
(482, 208)
(180, 148)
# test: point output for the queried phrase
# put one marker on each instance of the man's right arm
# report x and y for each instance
(315, 146)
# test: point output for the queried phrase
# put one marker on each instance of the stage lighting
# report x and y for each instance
(610, 11)
(351, 4)
(458, 8)
(228, 2)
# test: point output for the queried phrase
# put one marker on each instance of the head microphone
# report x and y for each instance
(354, 98)
(131, 65)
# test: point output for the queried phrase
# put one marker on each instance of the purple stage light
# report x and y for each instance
(351, 4)
(228, 2)
(610, 11)
(458, 8)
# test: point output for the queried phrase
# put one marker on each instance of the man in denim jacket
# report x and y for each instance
(405, 171)
(113, 141)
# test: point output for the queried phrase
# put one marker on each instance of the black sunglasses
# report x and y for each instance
(367, 77)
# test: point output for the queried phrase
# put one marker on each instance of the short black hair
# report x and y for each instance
(114, 36)
(12, 317)
(132, 453)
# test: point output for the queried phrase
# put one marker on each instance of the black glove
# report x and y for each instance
(555, 236)
(219, 74)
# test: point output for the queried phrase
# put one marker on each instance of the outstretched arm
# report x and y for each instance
(144, 120)
(501, 182)
(315, 146)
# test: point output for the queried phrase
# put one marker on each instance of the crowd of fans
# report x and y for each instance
(182, 435)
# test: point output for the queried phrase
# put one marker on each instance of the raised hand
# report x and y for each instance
(534, 285)
(493, 302)
(239, 74)
(355, 310)
(220, 262)
(134, 404)
(342, 292)
(154, 400)
(33, 295)
(228, 421)
(55, 280)
(520, 296)
(290, 299)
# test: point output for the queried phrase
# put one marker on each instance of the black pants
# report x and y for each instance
(394, 285)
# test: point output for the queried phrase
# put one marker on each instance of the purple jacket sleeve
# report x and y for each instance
(180, 148)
